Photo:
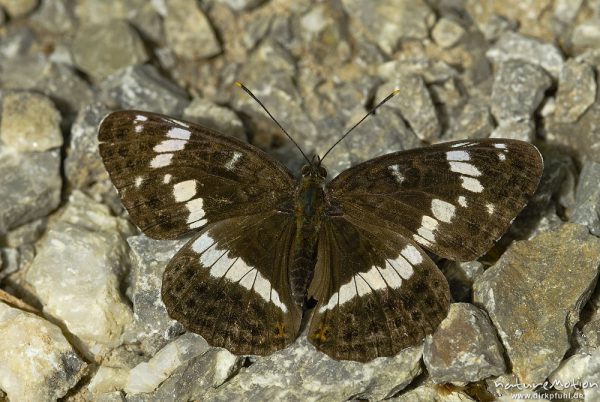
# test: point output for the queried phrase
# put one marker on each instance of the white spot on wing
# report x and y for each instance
(333, 301)
(411, 253)
(457, 156)
(248, 280)
(184, 190)
(442, 210)
(138, 128)
(390, 275)
(462, 201)
(373, 279)
(195, 207)
(403, 267)
(169, 146)
(167, 178)
(230, 165)
(428, 226)
(465, 168)
(140, 117)
(161, 160)
(263, 287)
(361, 286)
(471, 184)
(178, 133)
(202, 243)
(138, 181)
(500, 146)
(501, 156)
(220, 267)
(395, 170)
(237, 270)
(490, 208)
(347, 291)
(276, 301)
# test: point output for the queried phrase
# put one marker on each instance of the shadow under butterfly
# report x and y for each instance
(265, 244)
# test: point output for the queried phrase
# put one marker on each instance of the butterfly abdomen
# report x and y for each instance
(309, 206)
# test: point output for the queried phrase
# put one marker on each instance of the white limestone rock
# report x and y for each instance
(37, 363)
(77, 274)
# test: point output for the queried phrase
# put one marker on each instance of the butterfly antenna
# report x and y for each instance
(239, 84)
(372, 111)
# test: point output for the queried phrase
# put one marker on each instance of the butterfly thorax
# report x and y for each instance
(308, 210)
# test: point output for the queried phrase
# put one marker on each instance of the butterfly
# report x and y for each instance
(344, 260)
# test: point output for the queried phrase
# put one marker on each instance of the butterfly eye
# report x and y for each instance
(305, 170)
(322, 172)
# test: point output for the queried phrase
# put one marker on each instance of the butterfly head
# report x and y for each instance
(314, 169)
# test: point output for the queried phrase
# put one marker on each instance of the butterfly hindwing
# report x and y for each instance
(175, 177)
(230, 285)
(454, 198)
(377, 292)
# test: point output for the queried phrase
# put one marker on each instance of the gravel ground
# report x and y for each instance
(81, 316)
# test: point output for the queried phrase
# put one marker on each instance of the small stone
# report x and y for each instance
(83, 148)
(464, 348)
(30, 187)
(77, 274)
(153, 327)
(15, 43)
(474, 121)
(388, 22)
(446, 33)
(535, 326)
(576, 90)
(514, 46)
(586, 35)
(188, 31)
(9, 261)
(27, 233)
(30, 122)
(67, 89)
(581, 373)
(582, 136)
(566, 10)
(587, 196)
(142, 87)
(432, 393)
(523, 130)
(518, 90)
(113, 374)
(18, 8)
(414, 104)
(221, 119)
(362, 144)
(591, 334)
(37, 363)
(147, 376)
(300, 372)
(432, 71)
(107, 380)
(191, 380)
(55, 16)
(242, 5)
(103, 49)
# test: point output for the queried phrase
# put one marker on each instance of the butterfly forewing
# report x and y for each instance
(230, 285)
(454, 198)
(378, 292)
(175, 177)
